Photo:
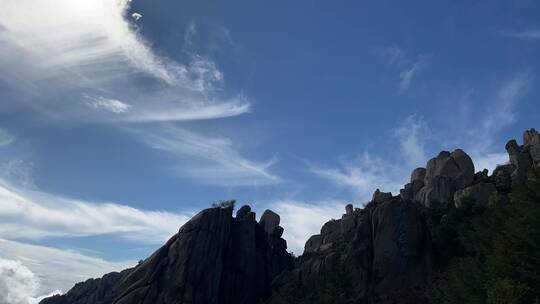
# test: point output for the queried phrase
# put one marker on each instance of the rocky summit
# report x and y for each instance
(389, 251)
(214, 258)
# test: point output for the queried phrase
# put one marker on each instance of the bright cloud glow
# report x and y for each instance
(489, 161)
(18, 285)
(301, 220)
(82, 60)
(55, 52)
(31, 271)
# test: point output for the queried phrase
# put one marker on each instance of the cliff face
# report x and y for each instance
(214, 258)
(381, 253)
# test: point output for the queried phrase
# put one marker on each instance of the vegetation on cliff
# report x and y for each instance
(489, 254)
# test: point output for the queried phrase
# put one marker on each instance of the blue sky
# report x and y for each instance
(121, 119)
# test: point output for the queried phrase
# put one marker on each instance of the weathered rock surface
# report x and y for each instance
(401, 250)
(478, 193)
(443, 175)
(418, 174)
(214, 258)
(531, 140)
(456, 165)
(269, 220)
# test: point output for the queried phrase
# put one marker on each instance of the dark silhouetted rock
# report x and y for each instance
(531, 140)
(243, 211)
(313, 243)
(401, 250)
(379, 197)
(502, 177)
(481, 176)
(277, 232)
(214, 258)
(269, 220)
(520, 158)
(349, 209)
(330, 231)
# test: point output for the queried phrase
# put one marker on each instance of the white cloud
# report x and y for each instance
(499, 113)
(40, 270)
(395, 56)
(406, 76)
(29, 214)
(531, 33)
(5, 138)
(81, 54)
(211, 160)
(111, 105)
(191, 31)
(412, 134)
(73, 48)
(301, 220)
(489, 161)
(18, 285)
(136, 16)
(365, 174)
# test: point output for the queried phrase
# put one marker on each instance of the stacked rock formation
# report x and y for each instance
(388, 249)
(214, 258)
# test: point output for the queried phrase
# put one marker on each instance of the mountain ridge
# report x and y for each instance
(382, 253)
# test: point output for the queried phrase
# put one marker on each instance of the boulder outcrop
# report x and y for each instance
(444, 174)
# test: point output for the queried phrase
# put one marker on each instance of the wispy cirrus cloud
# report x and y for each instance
(412, 135)
(476, 133)
(363, 175)
(5, 138)
(85, 61)
(31, 214)
(526, 34)
(500, 113)
(367, 172)
(107, 104)
(85, 47)
(406, 76)
(212, 160)
(409, 68)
